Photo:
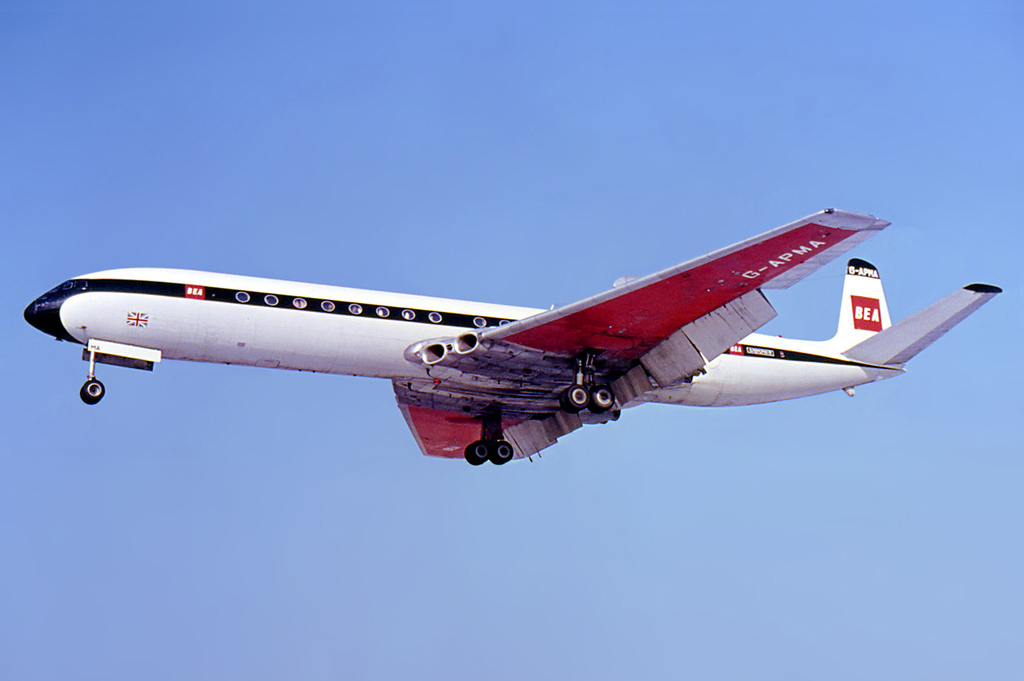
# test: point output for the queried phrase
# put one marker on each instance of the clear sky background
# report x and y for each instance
(210, 522)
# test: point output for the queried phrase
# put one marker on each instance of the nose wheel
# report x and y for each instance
(92, 391)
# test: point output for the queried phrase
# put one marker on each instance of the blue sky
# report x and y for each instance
(210, 522)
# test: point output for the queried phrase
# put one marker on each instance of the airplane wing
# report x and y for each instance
(628, 321)
(653, 331)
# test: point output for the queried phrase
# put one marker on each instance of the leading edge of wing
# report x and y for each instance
(628, 320)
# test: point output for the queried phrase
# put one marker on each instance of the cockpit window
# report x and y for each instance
(68, 285)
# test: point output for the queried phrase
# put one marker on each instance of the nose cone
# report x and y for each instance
(44, 314)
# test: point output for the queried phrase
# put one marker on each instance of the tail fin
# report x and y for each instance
(900, 343)
(863, 311)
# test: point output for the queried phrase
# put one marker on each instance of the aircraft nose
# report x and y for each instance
(44, 314)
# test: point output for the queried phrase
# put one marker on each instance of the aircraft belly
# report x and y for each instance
(735, 381)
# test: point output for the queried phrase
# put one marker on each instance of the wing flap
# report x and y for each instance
(531, 436)
(686, 351)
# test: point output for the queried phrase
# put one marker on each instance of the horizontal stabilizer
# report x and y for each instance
(902, 341)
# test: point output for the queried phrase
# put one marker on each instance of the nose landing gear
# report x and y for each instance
(117, 354)
(92, 390)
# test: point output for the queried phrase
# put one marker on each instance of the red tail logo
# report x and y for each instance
(867, 314)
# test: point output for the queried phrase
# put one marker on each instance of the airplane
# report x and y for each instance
(485, 382)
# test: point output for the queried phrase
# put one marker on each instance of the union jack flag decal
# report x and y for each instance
(137, 319)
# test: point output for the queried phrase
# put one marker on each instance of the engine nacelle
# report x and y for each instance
(466, 343)
(438, 350)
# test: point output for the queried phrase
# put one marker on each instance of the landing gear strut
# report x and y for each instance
(584, 393)
(92, 390)
(492, 445)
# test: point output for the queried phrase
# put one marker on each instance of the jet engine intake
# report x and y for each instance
(442, 350)
(466, 343)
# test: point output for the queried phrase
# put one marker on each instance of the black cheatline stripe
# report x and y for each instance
(347, 308)
(792, 356)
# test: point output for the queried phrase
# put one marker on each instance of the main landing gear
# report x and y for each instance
(492, 445)
(585, 393)
(498, 452)
(92, 390)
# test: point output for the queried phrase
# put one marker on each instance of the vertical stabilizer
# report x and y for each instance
(863, 311)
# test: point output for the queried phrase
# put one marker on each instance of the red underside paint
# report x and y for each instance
(446, 433)
(631, 324)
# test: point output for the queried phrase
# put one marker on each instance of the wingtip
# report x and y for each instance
(983, 288)
(849, 219)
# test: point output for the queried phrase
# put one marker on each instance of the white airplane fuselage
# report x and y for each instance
(228, 319)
